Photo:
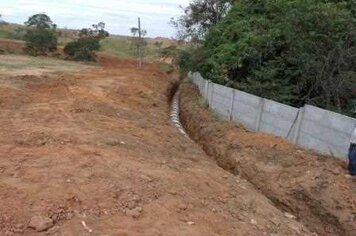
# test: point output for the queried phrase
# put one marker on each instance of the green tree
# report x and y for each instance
(295, 52)
(40, 36)
(198, 16)
(88, 43)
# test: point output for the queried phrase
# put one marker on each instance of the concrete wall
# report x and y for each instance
(247, 109)
(325, 131)
(221, 100)
(309, 127)
(278, 119)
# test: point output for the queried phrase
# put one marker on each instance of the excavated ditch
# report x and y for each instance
(312, 188)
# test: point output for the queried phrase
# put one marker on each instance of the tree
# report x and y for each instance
(199, 16)
(88, 43)
(41, 35)
(40, 21)
(295, 52)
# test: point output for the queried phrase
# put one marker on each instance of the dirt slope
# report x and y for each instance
(314, 188)
(94, 153)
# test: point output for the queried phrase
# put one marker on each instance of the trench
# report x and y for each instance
(314, 213)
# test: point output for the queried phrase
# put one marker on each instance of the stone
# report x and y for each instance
(290, 216)
(40, 223)
(253, 222)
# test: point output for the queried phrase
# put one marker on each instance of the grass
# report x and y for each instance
(119, 46)
(12, 31)
(166, 68)
(16, 64)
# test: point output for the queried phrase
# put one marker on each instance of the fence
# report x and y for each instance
(308, 127)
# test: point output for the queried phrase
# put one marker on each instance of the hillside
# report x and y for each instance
(116, 45)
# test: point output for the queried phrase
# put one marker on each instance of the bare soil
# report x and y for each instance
(315, 189)
(94, 153)
(12, 46)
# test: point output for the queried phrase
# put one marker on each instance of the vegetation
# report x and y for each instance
(88, 43)
(166, 67)
(117, 45)
(199, 16)
(295, 52)
(12, 31)
(40, 37)
(20, 64)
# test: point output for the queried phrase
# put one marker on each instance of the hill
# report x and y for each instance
(116, 45)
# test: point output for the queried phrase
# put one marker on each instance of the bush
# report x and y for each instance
(88, 43)
(82, 49)
(295, 52)
(189, 58)
(40, 37)
(40, 42)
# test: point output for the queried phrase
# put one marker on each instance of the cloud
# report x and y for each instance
(119, 15)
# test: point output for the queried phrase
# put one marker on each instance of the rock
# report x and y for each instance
(190, 223)
(86, 227)
(290, 216)
(146, 178)
(172, 192)
(253, 222)
(134, 213)
(348, 176)
(40, 223)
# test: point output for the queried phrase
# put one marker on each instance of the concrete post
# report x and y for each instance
(298, 125)
(211, 95)
(260, 114)
(201, 85)
(206, 93)
(232, 104)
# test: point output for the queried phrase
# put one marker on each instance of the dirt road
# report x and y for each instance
(314, 188)
(94, 153)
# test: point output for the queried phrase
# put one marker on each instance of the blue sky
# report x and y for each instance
(119, 15)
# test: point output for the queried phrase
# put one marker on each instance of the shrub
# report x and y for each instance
(189, 58)
(83, 49)
(40, 37)
(88, 43)
(40, 42)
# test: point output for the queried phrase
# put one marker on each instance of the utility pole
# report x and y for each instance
(139, 43)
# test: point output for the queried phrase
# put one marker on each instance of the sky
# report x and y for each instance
(119, 15)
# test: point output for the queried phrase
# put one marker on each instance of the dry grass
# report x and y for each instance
(25, 65)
